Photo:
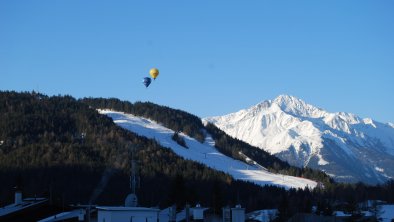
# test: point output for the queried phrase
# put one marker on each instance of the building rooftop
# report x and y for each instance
(120, 208)
(26, 203)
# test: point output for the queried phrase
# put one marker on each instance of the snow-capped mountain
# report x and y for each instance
(205, 153)
(343, 145)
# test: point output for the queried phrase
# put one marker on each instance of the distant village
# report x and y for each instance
(39, 209)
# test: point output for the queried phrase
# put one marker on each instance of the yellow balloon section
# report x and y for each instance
(154, 73)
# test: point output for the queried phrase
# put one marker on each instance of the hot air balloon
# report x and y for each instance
(146, 81)
(154, 73)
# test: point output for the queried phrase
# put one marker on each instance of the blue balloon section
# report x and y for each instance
(146, 81)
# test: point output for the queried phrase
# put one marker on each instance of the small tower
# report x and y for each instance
(18, 192)
(131, 199)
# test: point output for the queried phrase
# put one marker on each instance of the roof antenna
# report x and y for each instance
(237, 196)
(132, 174)
(131, 199)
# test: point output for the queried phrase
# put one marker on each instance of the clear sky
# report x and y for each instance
(214, 57)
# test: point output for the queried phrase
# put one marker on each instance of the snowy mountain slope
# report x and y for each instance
(205, 153)
(342, 144)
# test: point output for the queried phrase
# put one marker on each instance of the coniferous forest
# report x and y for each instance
(62, 148)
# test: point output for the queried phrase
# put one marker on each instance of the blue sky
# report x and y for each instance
(214, 57)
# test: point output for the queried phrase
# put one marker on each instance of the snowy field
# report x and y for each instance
(205, 153)
(387, 213)
(263, 215)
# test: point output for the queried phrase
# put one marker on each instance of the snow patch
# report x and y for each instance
(369, 121)
(321, 161)
(263, 215)
(379, 169)
(387, 212)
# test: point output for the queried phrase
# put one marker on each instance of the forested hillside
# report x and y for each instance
(64, 149)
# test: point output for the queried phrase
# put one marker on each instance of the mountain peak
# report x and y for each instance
(287, 98)
(295, 106)
(285, 101)
(305, 135)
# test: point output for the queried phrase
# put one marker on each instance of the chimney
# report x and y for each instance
(226, 214)
(187, 209)
(198, 213)
(173, 213)
(18, 197)
(81, 215)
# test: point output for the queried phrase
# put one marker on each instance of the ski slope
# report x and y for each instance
(205, 153)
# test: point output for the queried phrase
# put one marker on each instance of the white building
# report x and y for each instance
(127, 214)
